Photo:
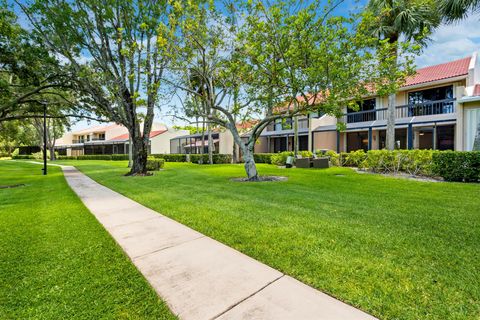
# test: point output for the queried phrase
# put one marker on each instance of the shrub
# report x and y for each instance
(118, 157)
(115, 157)
(280, 158)
(37, 155)
(22, 156)
(263, 157)
(353, 159)
(457, 165)
(171, 157)
(217, 158)
(306, 154)
(155, 164)
(15, 153)
(332, 155)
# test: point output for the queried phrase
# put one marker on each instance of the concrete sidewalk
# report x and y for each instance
(198, 277)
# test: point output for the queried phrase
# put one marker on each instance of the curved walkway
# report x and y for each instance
(198, 277)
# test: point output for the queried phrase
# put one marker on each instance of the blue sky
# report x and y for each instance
(448, 42)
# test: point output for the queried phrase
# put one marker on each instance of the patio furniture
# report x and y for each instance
(322, 162)
(303, 163)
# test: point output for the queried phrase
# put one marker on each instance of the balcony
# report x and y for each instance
(445, 106)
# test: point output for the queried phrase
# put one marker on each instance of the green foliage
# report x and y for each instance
(305, 154)
(334, 157)
(22, 156)
(455, 10)
(457, 166)
(280, 159)
(15, 152)
(192, 129)
(216, 157)
(352, 159)
(115, 157)
(155, 164)
(38, 155)
(413, 162)
(171, 157)
(263, 157)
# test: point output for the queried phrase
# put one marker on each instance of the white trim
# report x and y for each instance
(432, 83)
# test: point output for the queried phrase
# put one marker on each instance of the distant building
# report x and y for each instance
(113, 139)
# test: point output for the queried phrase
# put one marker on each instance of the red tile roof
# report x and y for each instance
(125, 136)
(439, 72)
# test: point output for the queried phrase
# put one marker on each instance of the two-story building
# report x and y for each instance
(437, 108)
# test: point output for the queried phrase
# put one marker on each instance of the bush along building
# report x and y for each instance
(437, 108)
(112, 139)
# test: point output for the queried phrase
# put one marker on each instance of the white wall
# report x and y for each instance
(161, 143)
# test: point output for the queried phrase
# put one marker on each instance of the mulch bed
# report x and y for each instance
(12, 186)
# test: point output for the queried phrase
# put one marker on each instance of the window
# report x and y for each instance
(472, 127)
(283, 124)
(430, 95)
(426, 102)
(364, 105)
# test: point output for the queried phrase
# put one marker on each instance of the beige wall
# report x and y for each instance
(325, 140)
(261, 146)
(161, 143)
(225, 145)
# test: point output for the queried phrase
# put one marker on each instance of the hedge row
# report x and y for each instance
(461, 166)
(114, 157)
(195, 158)
(171, 157)
(263, 157)
(23, 156)
(457, 166)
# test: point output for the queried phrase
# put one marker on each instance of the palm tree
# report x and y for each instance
(454, 10)
(401, 20)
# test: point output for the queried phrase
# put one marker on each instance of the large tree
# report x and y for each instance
(117, 53)
(257, 70)
(30, 75)
(395, 21)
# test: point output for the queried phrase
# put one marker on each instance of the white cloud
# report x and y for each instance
(450, 42)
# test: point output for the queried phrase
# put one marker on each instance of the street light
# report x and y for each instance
(44, 103)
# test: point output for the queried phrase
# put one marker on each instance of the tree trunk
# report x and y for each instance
(139, 155)
(234, 153)
(295, 135)
(250, 167)
(202, 150)
(210, 144)
(476, 142)
(51, 149)
(390, 136)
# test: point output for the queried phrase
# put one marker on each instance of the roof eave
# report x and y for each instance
(433, 83)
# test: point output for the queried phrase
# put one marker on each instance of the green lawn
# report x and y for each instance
(397, 249)
(57, 261)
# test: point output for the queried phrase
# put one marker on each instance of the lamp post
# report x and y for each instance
(44, 103)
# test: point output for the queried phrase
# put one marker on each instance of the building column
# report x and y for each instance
(410, 136)
(370, 133)
(434, 137)
(286, 147)
(313, 142)
(338, 141)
